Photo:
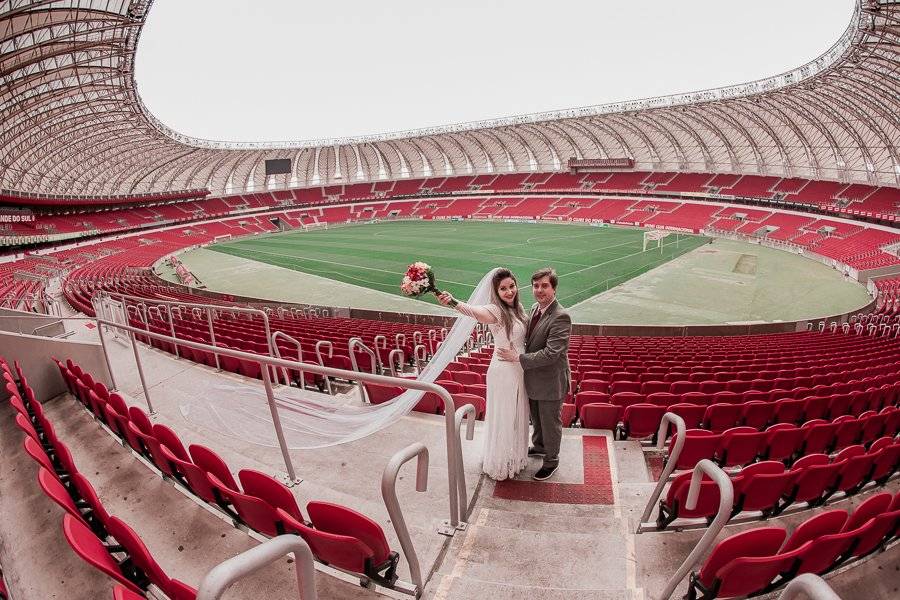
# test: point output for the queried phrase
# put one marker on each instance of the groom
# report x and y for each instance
(546, 365)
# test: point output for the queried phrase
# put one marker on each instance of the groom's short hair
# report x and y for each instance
(546, 272)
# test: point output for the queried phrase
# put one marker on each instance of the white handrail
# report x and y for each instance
(672, 460)
(463, 412)
(319, 345)
(811, 585)
(351, 346)
(389, 494)
(726, 503)
(223, 576)
(277, 350)
(420, 355)
(396, 352)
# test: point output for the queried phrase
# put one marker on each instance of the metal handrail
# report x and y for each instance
(168, 303)
(680, 429)
(467, 412)
(224, 575)
(811, 585)
(319, 346)
(382, 339)
(264, 361)
(420, 358)
(284, 372)
(726, 503)
(352, 343)
(396, 352)
(389, 494)
(399, 340)
(36, 329)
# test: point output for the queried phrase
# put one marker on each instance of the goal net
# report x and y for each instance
(654, 236)
(314, 226)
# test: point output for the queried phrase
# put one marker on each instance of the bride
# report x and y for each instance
(506, 420)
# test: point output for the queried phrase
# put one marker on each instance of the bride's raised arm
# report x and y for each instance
(482, 314)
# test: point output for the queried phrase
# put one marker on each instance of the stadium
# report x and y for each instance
(213, 380)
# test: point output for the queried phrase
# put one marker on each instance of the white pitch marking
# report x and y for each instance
(340, 264)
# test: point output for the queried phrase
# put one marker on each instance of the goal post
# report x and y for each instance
(314, 226)
(654, 236)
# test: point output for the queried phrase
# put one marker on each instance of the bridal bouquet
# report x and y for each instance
(418, 280)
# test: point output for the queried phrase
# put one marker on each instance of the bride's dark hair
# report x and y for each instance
(508, 313)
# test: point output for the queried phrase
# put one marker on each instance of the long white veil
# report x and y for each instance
(240, 410)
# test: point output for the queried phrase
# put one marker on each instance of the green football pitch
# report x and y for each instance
(588, 259)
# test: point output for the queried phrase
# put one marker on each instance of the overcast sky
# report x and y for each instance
(266, 70)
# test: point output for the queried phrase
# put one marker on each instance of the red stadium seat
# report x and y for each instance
(598, 415)
(740, 565)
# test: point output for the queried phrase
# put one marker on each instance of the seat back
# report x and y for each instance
(762, 541)
(270, 490)
(600, 416)
(340, 520)
(86, 545)
(212, 463)
(869, 509)
(138, 552)
(825, 523)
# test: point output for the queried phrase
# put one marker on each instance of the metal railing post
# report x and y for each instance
(276, 421)
(277, 350)
(112, 377)
(351, 348)
(680, 430)
(396, 352)
(222, 576)
(389, 494)
(420, 356)
(330, 346)
(726, 503)
(212, 336)
(171, 329)
(463, 412)
(140, 368)
(811, 585)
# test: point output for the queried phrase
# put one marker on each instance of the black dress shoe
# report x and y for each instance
(535, 452)
(545, 473)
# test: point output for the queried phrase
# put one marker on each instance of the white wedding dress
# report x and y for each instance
(506, 419)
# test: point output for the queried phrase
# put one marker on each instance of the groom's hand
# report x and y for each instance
(509, 354)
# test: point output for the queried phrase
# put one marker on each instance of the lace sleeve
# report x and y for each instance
(483, 314)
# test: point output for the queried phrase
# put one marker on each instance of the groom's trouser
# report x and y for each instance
(547, 436)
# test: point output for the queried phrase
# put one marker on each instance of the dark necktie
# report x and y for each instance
(534, 320)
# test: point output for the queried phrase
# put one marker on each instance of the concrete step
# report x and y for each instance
(444, 587)
(540, 552)
(536, 521)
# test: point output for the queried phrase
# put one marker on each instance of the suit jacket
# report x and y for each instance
(546, 360)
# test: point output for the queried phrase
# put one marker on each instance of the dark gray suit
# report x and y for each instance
(547, 377)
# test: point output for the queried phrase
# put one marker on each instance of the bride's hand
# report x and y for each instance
(445, 298)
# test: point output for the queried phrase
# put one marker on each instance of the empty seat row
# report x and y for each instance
(337, 535)
(643, 419)
(102, 540)
(760, 560)
(769, 488)
(784, 442)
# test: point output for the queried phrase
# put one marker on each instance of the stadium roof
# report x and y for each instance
(71, 121)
